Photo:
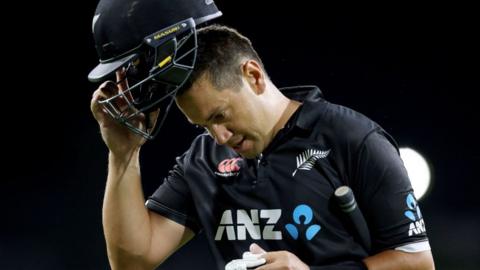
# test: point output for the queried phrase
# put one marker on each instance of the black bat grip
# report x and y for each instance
(346, 201)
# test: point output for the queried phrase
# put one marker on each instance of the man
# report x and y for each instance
(267, 169)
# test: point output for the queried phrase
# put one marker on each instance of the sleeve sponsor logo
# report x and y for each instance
(417, 226)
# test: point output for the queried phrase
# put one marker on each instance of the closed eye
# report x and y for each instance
(220, 117)
(215, 118)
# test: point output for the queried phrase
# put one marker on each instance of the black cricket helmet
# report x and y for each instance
(155, 43)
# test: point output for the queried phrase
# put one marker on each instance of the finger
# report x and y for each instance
(153, 117)
(122, 83)
(104, 91)
(256, 249)
(269, 266)
(108, 88)
(273, 256)
(138, 121)
(111, 89)
(101, 93)
(97, 110)
(121, 75)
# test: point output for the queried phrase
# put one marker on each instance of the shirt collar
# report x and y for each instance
(309, 95)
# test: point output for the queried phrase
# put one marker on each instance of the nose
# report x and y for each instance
(220, 133)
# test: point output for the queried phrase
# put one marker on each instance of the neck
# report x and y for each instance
(287, 109)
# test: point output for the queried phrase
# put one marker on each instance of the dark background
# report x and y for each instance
(413, 69)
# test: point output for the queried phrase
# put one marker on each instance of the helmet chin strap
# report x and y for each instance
(156, 127)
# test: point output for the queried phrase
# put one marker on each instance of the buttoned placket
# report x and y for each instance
(261, 163)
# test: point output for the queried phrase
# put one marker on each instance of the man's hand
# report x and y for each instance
(281, 260)
(119, 139)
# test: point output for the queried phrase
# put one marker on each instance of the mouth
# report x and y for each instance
(238, 146)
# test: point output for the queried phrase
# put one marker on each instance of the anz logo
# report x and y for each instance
(306, 212)
(417, 225)
(248, 224)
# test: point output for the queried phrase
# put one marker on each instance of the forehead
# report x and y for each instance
(201, 100)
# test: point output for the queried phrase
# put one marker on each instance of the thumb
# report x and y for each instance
(256, 249)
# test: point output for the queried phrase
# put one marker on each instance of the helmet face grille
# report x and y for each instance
(156, 65)
(162, 66)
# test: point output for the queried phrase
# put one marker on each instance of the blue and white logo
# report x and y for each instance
(414, 213)
(417, 226)
(306, 212)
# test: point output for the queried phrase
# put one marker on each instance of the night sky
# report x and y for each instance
(413, 69)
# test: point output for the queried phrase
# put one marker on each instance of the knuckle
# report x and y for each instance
(97, 95)
(108, 87)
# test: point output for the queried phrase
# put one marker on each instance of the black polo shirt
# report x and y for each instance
(283, 199)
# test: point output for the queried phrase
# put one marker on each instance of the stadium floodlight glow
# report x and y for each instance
(418, 170)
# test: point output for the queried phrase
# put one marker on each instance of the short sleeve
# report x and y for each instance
(385, 196)
(173, 199)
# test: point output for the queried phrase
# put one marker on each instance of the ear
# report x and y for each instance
(254, 75)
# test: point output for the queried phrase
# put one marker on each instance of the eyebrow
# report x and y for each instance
(213, 113)
(210, 116)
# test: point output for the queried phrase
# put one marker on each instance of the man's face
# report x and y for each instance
(233, 117)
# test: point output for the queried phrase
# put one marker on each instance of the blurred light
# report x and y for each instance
(418, 170)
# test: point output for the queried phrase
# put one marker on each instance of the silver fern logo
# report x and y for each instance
(307, 159)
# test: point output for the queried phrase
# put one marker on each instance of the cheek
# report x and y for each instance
(245, 120)
(250, 124)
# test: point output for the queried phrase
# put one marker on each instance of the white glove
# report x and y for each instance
(248, 261)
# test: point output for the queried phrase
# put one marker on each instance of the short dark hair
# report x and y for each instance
(220, 50)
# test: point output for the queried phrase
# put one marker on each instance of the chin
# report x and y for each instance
(247, 155)
(250, 154)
